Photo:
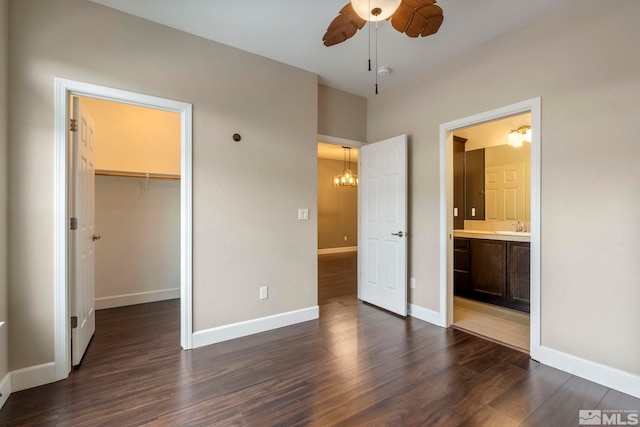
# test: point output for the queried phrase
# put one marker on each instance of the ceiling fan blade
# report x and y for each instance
(344, 26)
(417, 18)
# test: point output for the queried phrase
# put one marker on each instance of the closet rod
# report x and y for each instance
(136, 174)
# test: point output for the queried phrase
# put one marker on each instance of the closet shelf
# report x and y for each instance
(127, 174)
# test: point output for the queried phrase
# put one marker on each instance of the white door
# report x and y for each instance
(83, 294)
(505, 193)
(382, 234)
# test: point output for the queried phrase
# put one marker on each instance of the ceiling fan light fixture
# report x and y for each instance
(364, 8)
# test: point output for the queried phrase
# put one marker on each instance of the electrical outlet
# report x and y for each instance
(345, 238)
(264, 292)
(412, 283)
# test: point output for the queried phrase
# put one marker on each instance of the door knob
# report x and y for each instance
(399, 234)
(94, 238)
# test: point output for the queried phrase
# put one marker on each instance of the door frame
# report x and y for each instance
(64, 89)
(446, 208)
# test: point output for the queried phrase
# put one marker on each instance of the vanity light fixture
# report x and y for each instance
(520, 135)
(347, 178)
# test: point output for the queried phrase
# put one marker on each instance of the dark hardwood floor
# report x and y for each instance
(337, 277)
(355, 366)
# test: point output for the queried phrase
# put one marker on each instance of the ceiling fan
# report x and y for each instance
(411, 17)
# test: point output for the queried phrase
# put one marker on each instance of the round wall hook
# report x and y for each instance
(236, 137)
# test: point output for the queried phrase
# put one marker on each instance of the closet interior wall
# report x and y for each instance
(137, 202)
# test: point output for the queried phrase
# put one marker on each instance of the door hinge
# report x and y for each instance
(73, 125)
(74, 223)
(74, 322)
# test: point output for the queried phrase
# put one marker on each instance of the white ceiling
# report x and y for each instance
(290, 31)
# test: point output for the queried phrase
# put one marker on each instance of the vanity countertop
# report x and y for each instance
(512, 236)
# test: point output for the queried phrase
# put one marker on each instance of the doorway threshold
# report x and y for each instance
(497, 324)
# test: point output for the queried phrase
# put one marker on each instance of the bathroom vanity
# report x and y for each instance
(493, 267)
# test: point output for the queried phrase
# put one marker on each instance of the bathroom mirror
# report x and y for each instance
(507, 174)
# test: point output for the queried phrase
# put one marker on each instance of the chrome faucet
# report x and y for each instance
(519, 226)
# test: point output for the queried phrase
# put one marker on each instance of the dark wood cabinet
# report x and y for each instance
(492, 271)
(488, 269)
(468, 184)
(461, 266)
(474, 184)
(519, 274)
(458, 182)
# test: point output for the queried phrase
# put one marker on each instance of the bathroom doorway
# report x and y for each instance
(491, 238)
(492, 217)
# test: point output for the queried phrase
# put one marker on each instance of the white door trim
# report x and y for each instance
(446, 207)
(340, 141)
(63, 89)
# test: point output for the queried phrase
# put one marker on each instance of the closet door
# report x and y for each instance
(82, 298)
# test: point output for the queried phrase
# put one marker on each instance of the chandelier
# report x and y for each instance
(347, 178)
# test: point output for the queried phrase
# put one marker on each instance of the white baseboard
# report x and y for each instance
(592, 371)
(425, 314)
(616, 379)
(5, 389)
(337, 250)
(250, 327)
(33, 376)
(137, 298)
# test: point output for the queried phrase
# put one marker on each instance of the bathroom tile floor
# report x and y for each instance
(510, 327)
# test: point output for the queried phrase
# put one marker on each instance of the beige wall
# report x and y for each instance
(246, 232)
(587, 78)
(135, 139)
(4, 32)
(337, 208)
(341, 114)
(138, 255)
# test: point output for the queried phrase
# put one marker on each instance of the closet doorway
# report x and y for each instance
(145, 181)
(135, 197)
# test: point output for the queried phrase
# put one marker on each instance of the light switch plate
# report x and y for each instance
(303, 214)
